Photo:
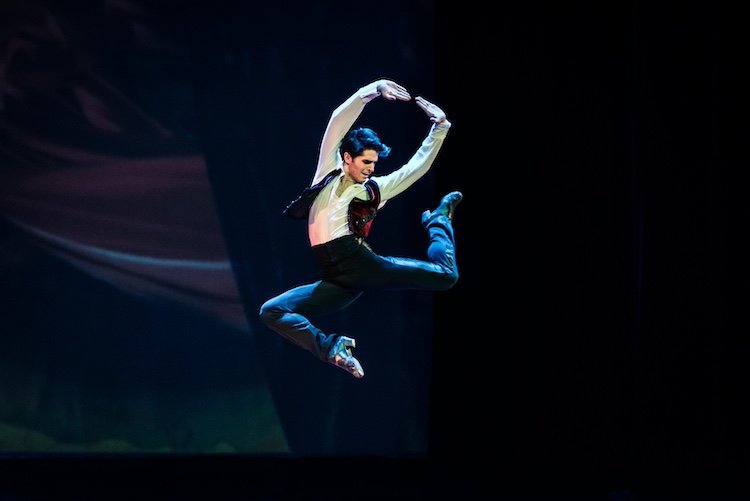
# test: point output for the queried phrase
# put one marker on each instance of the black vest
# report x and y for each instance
(361, 212)
(300, 207)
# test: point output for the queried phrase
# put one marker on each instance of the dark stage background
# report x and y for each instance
(589, 351)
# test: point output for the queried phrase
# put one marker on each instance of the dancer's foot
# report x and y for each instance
(340, 355)
(446, 207)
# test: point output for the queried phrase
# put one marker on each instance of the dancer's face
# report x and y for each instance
(359, 169)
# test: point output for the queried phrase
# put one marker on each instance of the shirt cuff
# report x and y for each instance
(440, 130)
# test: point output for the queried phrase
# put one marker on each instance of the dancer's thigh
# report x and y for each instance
(374, 272)
(317, 298)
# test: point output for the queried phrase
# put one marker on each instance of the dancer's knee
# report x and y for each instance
(269, 312)
(449, 279)
(445, 279)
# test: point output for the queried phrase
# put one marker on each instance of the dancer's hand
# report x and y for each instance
(393, 91)
(434, 112)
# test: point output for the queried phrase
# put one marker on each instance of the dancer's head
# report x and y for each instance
(360, 150)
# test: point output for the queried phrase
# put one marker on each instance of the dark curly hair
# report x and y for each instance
(358, 140)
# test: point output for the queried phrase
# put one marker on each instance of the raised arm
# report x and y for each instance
(400, 179)
(344, 116)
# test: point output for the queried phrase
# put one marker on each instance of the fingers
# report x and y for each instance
(394, 91)
(423, 103)
(401, 95)
(399, 89)
(433, 111)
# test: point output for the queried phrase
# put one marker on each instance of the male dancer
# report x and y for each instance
(340, 205)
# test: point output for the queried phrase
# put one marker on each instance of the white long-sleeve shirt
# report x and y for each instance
(327, 219)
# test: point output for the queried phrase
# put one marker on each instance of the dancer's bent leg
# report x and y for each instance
(366, 270)
(287, 314)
